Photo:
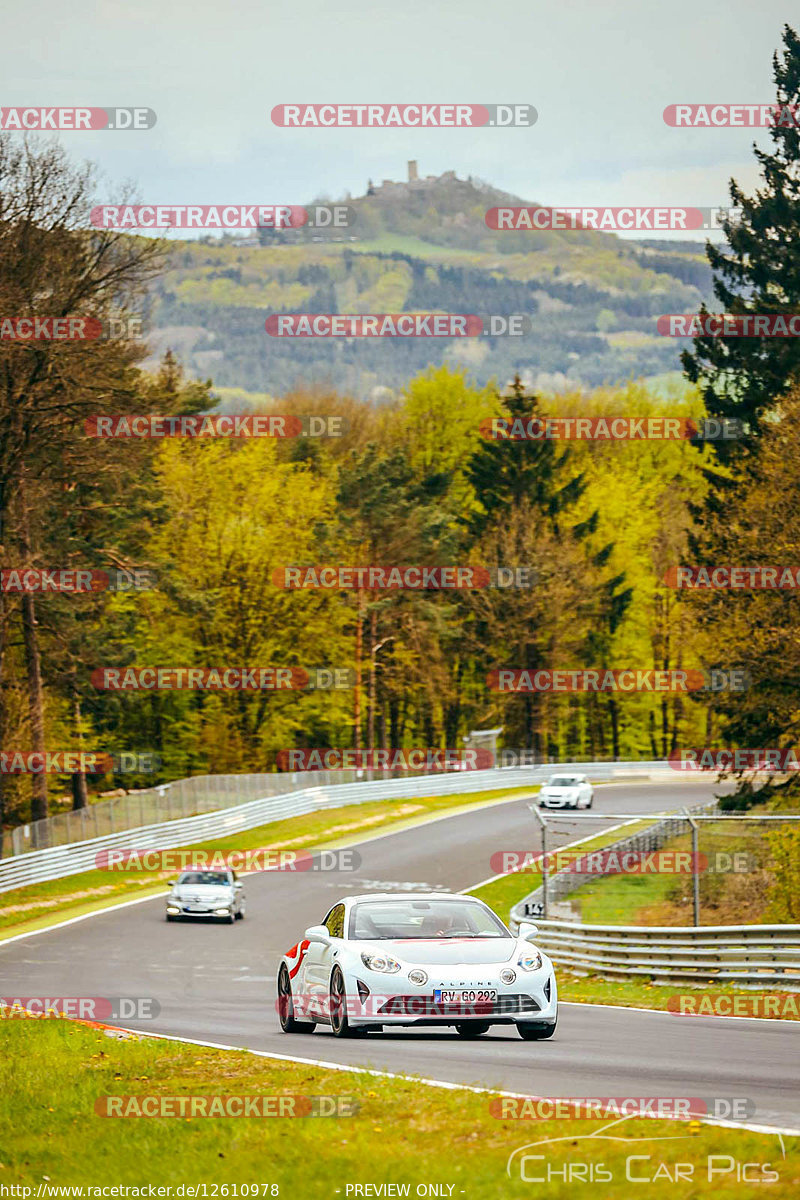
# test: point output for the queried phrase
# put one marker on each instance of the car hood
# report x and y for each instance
(469, 951)
(203, 891)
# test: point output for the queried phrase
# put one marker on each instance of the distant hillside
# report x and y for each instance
(593, 299)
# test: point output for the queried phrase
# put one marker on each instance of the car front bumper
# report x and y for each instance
(531, 998)
(190, 910)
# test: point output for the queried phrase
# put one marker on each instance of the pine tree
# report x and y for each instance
(758, 272)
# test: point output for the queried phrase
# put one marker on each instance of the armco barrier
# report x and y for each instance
(748, 955)
(55, 862)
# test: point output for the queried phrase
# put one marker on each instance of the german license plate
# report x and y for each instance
(464, 996)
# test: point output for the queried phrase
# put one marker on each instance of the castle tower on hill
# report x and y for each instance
(413, 177)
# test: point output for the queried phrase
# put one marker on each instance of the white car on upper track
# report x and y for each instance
(427, 959)
(566, 791)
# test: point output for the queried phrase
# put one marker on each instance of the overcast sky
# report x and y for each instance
(599, 72)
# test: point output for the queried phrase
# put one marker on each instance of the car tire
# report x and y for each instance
(472, 1029)
(240, 915)
(535, 1031)
(286, 1006)
(340, 1024)
(591, 800)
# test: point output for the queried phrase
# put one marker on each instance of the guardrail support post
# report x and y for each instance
(695, 866)
(543, 825)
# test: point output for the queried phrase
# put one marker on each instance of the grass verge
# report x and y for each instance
(42, 904)
(736, 884)
(503, 893)
(52, 1073)
(639, 993)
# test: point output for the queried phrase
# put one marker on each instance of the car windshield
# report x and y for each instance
(563, 781)
(381, 920)
(194, 877)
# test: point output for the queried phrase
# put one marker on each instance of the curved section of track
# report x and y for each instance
(216, 983)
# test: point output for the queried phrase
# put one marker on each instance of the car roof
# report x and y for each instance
(206, 871)
(409, 896)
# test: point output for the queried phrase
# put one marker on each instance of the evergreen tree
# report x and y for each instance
(758, 272)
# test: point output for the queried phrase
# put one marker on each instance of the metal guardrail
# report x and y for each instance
(748, 955)
(165, 802)
(55, 862)
(211, 793)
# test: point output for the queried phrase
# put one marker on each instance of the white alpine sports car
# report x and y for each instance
(428, 959)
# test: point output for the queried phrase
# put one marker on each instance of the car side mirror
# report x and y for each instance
(238, 885)
(528, 930)
(172, 883)
(318, 933)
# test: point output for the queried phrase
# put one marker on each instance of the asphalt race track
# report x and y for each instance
(216, 983)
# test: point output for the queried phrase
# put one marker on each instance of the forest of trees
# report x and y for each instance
(412, 482)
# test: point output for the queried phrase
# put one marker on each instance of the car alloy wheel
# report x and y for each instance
(338, 1006)
(286, 1006)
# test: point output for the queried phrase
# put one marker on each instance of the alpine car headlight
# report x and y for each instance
(381, 963)
(530, 960)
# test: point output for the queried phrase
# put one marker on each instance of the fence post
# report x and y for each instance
(543, 825)
(695, 867)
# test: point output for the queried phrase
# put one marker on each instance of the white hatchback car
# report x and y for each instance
(382, 960)
(566, 791)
